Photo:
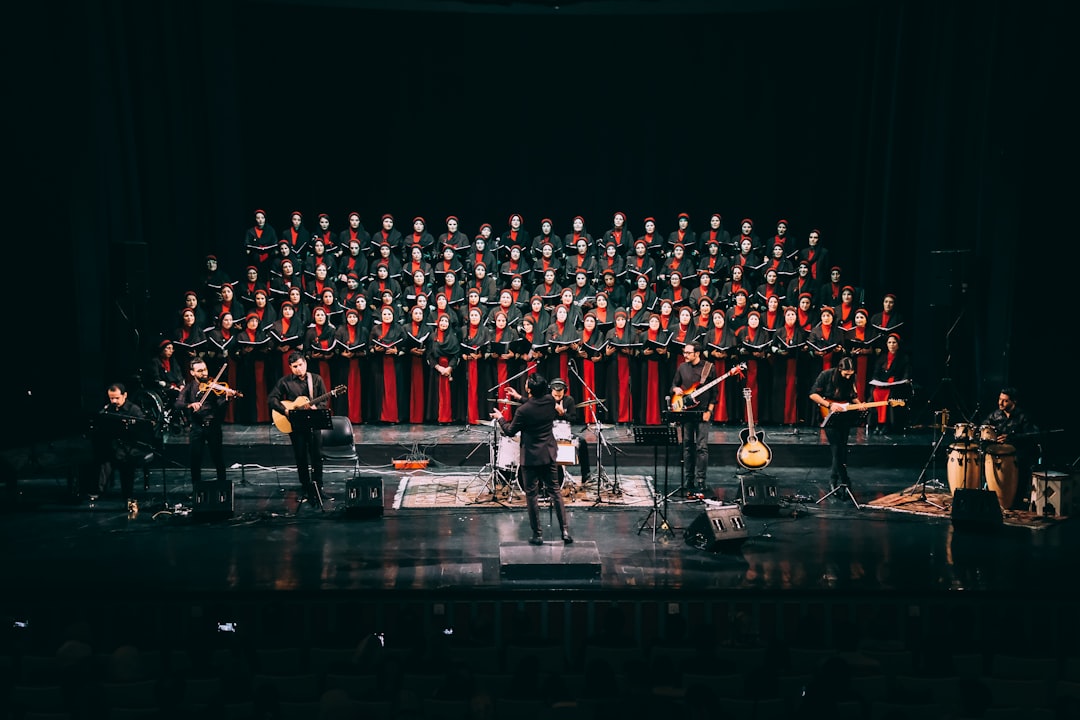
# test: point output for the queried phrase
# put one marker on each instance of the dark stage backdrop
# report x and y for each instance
(924, 141)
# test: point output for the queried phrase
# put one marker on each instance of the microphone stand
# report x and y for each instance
(601, 441)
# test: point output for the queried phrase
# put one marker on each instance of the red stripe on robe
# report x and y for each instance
(355, 386)
(389, 411)
(588, 372)
(416, 389)
(442, 386)
(626, 401)
(472, 395)
(721, 414)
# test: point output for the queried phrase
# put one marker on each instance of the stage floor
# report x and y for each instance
(271, 543)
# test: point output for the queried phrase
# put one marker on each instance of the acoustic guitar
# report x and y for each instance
(835, 408)
(281, 421)
(688, 398)
(753, 454)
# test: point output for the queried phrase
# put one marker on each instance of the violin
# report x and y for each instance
(219, 389)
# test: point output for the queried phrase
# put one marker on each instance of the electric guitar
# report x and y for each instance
(281, 421)
(753, 454)
(835, 408)
(688, 398)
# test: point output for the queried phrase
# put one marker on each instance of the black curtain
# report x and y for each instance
(924, 140)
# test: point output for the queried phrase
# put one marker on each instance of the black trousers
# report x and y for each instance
(532, 478)
(209, 436)
(837, 433)
(695, 435)
(307, 451)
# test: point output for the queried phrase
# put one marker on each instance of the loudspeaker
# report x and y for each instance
(213, 499)
(976, 510)
(337, 440)
(364, 496)
(717, 529)
(759, 497)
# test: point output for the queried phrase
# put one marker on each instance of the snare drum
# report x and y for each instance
(1002, 473)
(561, 430)
(987, 433)
(963, 467)
(508, 453)
(566, 454)
(964, 432)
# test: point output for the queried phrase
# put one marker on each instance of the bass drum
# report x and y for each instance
(963, 467)
(508, 453)
(1002, 472)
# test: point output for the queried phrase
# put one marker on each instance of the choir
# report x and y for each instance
(422, 329)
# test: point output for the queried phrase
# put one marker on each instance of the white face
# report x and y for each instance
(387, 315)
(746, 228)
(320, 272)
(354, 221)
(296, 221)
(500, 321)
(637, 303)
(753, 321)
(736, 273)
(590, 323)
(319, 316)
(418, 226)
(650, 227)
(790, 316)
(451, 225)
(560, 313)
(892, 344)
(578, 225)
(388, 224)
(685, 316)
(745, 246)
(287, 311)
(515, 221)
(324, 223)
(260, 219)
(546, 228)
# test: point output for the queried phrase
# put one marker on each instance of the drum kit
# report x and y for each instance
(976, 458)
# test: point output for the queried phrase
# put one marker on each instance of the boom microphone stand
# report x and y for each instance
(601, 441)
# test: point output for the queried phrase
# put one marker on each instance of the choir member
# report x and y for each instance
(350, 350)
(443, 356)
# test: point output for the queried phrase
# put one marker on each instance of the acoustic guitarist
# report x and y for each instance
(837, 386)
(695, 433)
(307, 443)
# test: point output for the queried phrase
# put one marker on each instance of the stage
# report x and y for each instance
(271, 549)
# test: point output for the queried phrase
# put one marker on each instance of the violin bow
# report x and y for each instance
(210, 385)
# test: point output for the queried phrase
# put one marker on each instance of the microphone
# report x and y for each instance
(667, 402)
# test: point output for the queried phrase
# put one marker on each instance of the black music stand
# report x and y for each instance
(657, 435)
(681, 418)
(311, 421)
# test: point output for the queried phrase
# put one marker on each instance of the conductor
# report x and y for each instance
(539, 450)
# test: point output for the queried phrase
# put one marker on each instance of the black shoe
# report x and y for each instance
(566, 538)
(536, 539)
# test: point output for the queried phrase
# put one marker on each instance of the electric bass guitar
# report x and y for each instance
(281, 421)
(753, 454)
(835, 408)
(688, 397)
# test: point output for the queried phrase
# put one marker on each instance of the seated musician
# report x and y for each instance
(121, 440)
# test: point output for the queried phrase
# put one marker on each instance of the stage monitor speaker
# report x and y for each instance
(337, 440)
(759, 497)
(213, 499)
(718, 529)
(976, 510)
(364, 496)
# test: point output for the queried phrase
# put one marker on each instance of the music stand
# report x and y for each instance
(681, 418)
(657, 435)
(311, 421)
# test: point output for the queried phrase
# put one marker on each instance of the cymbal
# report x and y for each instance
(489, 423)
(586, 403)
(504, 401)
(601, 426)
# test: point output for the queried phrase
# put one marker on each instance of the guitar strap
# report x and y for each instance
(705, 372)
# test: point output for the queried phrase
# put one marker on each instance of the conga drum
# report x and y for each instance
(963, 467)
(1002, 472)
(964, 433)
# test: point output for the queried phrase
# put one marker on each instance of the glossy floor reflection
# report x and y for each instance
(272, 543)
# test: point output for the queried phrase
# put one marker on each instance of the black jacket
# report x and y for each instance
(534, 419)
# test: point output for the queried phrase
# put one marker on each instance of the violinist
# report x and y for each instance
(205, 402)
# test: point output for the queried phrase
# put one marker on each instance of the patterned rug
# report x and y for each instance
(421, 489)
(913, 504)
